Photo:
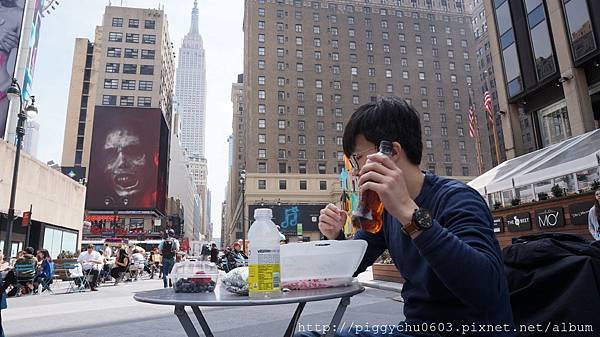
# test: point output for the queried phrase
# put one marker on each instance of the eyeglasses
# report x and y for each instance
(355, 157)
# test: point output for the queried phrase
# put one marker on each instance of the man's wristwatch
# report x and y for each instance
(421, 221)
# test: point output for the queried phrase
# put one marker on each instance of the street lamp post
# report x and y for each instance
(243, 185)
(14, 92)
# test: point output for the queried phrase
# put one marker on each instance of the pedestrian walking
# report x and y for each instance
(168, 249)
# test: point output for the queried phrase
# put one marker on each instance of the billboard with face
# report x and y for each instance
(11, 17)
(129, 160)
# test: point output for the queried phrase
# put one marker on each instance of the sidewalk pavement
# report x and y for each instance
(366, 280)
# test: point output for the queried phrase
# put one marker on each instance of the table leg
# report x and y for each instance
(202, 322)
(185, 321)
(337, 317)
(292, 327)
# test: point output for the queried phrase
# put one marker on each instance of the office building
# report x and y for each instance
(547, 56)
(309, 64)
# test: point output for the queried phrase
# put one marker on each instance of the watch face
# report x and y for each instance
(422, 218)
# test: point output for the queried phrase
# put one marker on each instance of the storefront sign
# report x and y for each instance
(550, 217)
(299, 230)
(26, 219)
(518, 222)
(498, 225)
(579, 212)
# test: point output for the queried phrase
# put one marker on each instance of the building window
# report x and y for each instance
(149, 39)
(113, 52)
(128, 85)
(144, 102)
(109, 100)
(117, 22)
(323, 185)
(283, 184)
(112, 67)
(262, 153)
(303, 185)
(427, 130)
(132, 38)
(115, 37)
(129, 68)
(146, 70)
(145, 86)
(127, 101)
(149, 24)
(262, 184)
(261, 65)
(131, 53)
(134, 23)
(508, 48)
(111, 84)
(262, 123)
(262, 167)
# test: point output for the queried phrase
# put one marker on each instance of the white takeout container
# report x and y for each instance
(318, 264)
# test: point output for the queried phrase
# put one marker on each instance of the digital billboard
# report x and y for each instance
(11, 19)
(128, 167)
(293, 219)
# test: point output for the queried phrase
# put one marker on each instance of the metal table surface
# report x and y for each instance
(222, 298)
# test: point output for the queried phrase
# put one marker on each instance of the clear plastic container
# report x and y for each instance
(194, 277)
(320, 264)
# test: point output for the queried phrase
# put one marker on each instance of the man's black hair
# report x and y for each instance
(29, 250)
(389, 118)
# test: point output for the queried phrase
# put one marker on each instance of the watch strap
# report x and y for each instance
(410, 228)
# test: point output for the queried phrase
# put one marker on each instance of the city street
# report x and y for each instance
(113, 312)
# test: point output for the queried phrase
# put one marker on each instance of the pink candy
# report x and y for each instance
(316, 283)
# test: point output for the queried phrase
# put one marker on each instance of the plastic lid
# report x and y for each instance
(263, 213)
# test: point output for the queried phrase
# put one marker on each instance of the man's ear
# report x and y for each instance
(396, 150)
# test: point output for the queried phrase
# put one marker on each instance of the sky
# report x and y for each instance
(221, 29)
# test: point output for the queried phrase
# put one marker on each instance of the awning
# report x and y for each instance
(570, 156)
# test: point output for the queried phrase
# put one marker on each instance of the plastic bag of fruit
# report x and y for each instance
(236, 281)
(194, 277)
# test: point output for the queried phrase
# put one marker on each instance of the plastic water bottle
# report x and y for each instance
(264, 279)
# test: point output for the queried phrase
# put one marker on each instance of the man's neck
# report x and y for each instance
(414, 181)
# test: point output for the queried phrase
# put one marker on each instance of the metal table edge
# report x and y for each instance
(277, 301)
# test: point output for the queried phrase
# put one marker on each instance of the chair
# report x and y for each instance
(46, 282)
(25, 273)
(80, 277)
(136, 269)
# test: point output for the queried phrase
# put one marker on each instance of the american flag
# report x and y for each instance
(472, 120)
(487, 104)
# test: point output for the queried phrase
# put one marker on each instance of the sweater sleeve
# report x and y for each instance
(593, 224)
(462, 250)
(375, 247)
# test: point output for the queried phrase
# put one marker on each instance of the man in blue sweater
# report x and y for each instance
(437, 230)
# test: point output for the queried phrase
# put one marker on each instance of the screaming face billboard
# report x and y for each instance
(129, 160)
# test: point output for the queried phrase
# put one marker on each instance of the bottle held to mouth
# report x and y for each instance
(369, 212)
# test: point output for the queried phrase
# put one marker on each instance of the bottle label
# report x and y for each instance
(264, 271)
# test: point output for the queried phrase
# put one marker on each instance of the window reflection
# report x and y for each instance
(580, 28)
(512, 70)
(542, 50)
(554, 123)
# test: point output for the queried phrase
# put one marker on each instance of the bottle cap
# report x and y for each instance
(263, 213)
(386, 147)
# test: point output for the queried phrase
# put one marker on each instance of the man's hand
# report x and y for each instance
(331, 221)
(385, 178)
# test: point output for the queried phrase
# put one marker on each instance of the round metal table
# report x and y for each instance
(222, 298)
